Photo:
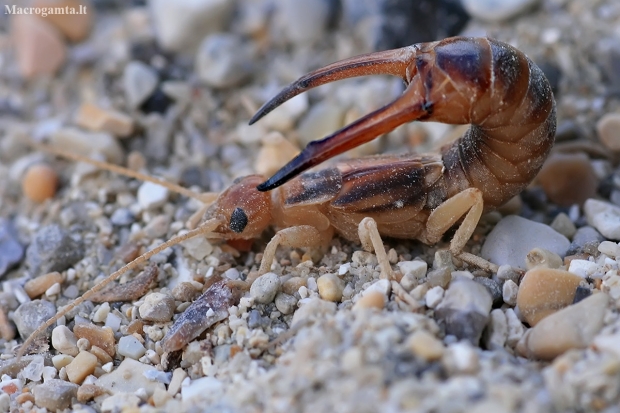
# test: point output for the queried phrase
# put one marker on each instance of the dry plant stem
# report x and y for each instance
(207, 197)
(204, 228)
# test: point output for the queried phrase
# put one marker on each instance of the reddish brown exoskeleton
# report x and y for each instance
(483, 82)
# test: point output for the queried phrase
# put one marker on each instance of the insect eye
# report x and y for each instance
(238, 220)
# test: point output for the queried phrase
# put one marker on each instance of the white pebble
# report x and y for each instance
(514, 237)
(434, 296)
(113, 321)
(344, 268)
(496, 10)
(609, 248)
(603, 216)
(64, 341)
(265, 287)
(151, 195)
(139, 82)
(311, 284)
(585, 268)
(509, 292)
(382, 286)
(102, 313)
(53, 290)
(415, 268)
(231, 274)
(129, 346)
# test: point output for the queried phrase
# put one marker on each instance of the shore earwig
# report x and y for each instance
(483, 82)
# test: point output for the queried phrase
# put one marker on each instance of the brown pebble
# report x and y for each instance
(39, 46)
(330, 287)
(87, 392)
(101, 354)
(572, 327)
(608, 129)
(25, 397)
(82, 365)
(543, 291)
(136, 326)
(371, 299)
(102, 337)
(568, 179)
(40, 182)
(37, 286)
(74, 26)
(97, 119)
(7, 329)
(275, 152)
(425, 345)
(292, 285)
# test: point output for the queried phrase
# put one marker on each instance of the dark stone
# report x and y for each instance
(581, 293)
(399, 23)
(53, 249)
(158, 102)
(493, 287)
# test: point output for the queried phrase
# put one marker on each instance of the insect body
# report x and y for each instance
(478, 81)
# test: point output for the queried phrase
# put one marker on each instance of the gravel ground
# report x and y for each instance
(168, 88)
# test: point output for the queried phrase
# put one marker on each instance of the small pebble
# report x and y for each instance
(275, 152)
(293, 284)
(101, 313)
(64, 341)
(89, 143)
(61, 360)
(608, 343)
(564, 225)
(39, 46)
(11, 250)
(425, 345)
(513, 237)
(128, 377)
(304, 22)
(412, 272)
(539, 257)
(583, 237)
(152, 196)
(515, 328)
(440, 277)
(178, 375)
(611, 249)
(608, 130)
(465, 309)
(497, 11)
(371, 299)
(180, 26)
(603, 216)
(543, 291)
(204, 386)
(265, 287)
(40, 182)
(509, 292)
(113, 322)
(330, 287)
(322, 119)
(568, 179)
(97, 336)
(55, 394)
(572, 327)
(30, 315)
(53, 249)
(34, 370)
(95, 118)
(37, 286)
(223, 60)
(434, 296)
(157, 307)
(496, 333)
(493, 287)
(122, 401)
(81, 366)
(285, 303)
(461, 358)
(139, 82)
(101, 355)
(129, 346)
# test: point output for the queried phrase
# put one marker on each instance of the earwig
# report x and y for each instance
(483, 82)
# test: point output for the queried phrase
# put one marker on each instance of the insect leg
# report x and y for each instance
(294, 237)
(371, 240)
(469, 203)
